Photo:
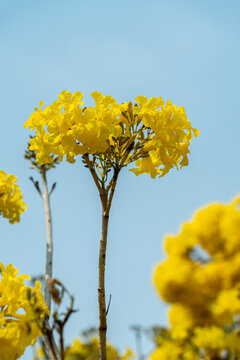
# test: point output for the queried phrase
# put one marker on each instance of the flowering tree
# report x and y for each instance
(153, 135)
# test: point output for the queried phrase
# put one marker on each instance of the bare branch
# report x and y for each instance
(93, 173)
(113, 186)
(109, 303)
(53, 187)
(36, 185)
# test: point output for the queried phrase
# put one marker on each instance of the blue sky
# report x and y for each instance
(186, 51)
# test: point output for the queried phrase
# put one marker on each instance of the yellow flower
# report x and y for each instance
(200, 279)
(174, 350)
(128, 355)
(161, 132)
(11, 203)
(89, 350)
(210, 339)
(22, 309)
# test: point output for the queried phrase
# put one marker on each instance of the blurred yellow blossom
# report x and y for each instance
(174, 350)
(11, 203)
(210, 339)
(201, 281)
(89, 350)
(202, 270)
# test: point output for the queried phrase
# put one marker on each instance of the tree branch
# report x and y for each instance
(36, 185)
(49, 242)
(101, 282)
(112, 190)
(93, 173)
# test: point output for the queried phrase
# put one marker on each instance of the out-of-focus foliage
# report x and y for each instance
(11, 203)
(88, 350)
(201, 280)
(21, 310)
(154, 135)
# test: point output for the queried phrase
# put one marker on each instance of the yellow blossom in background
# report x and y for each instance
(174, 350)
(209, 343)
(88, 350)
(21, 310)
(212, 339)
(11, 203)
(159, 133)
(202, 270)
(39, 353)
(200, 279)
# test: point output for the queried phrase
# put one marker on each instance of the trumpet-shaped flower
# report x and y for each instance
(161, 132)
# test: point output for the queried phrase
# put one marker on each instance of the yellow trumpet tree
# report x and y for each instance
(109, 136)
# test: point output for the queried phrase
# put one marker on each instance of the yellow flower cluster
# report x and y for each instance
(174, 350)
(201, 280)
(159, 133)
(89, 350)
(11, 203)
(21, 311)
(206, 254)
(204, 343)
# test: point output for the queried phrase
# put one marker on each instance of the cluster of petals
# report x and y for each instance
(21, 310)
(201, 275)
(170, 349)
(67, 128)
(90, 350)
(211, 341)
(11, 203)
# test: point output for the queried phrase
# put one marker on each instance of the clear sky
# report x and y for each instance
(186, 51)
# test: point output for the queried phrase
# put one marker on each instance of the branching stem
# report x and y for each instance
(106, 196)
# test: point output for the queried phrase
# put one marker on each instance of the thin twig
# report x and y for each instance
(49, 343)
(62, 323)
(112, 190)
(93, 173)
(109, 185)
(62, 351)
(110, 297)
(36, 184)
(53, 187)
